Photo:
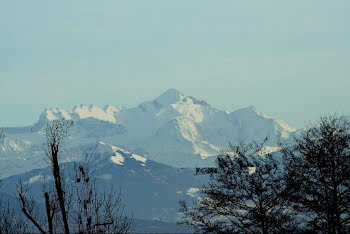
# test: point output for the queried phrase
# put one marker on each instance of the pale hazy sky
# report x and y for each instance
(290, 59)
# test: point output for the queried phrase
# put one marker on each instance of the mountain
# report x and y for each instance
(150, 190)
(172, 129)
(148, 151)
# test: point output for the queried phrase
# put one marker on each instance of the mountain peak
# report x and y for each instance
(250, 108)
(170, 96)
(107, 113)
(249, 111)
(172, 91)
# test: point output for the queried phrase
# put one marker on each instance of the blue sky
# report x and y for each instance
(290, 59)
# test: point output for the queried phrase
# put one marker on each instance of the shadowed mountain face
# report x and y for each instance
(173, 129)
(150, 190)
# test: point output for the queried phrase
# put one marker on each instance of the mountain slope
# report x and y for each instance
(149, 189)
(174, 129)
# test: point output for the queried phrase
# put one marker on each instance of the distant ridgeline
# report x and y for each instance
(150, 150)
(173, 129)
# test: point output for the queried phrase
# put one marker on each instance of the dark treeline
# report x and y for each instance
(302, 188)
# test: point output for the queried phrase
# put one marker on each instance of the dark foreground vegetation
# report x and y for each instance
(73, 204)
(301, 188)
(251, 192)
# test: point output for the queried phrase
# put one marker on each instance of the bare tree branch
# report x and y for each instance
(26, 208)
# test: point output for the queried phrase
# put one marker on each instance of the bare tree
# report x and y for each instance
(56, 131)
(245, 195)
(81, 206)
(96, 211)
(318, 175)
(28, 207)
(10, 220)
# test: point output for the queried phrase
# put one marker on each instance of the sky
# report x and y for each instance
(290, 59)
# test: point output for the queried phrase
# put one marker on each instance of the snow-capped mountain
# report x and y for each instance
(173, 129)
(107, 113)
(150, 190)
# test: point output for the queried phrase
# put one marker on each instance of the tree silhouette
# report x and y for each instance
(72, 204)
(95, 211)
(318, 175)
(245, 194)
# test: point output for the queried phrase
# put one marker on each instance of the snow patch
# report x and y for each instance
(65, 114)
(268, 150)
(14, 146)
(192, 191)
(37, 178)
(286, 126)
(85, 112)
(118, 158)
(251, 170)
(139, 158)
(105, 176)
(50, 116)
(186, 107)
(108, 113)
(205, 149)
(187, 128)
